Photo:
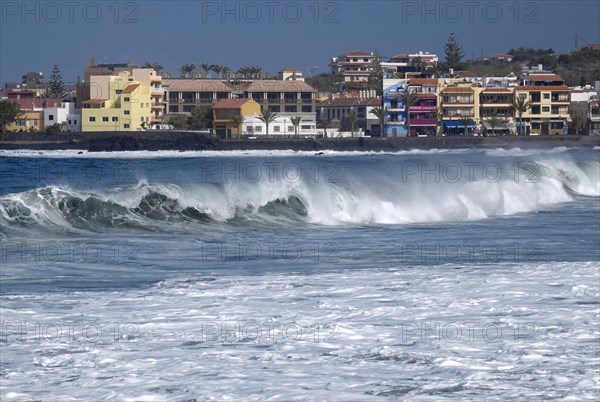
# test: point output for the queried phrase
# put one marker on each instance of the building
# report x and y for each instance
(281, 126)
(496, 113)
(118, 103)
(459, 109)
(83, 88)
(334, 110)
(500, 58)
(148, 77)
(225, 110)
(353, 67)
(549, 108)
(423, 113)
(57, 112)
(395, 119)
(32, 118)
(400, 65)
(290, 74)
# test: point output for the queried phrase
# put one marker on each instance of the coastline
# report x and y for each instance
(186, 141)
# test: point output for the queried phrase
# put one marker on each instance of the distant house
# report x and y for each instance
(353, 67)
(290, 74)
(336, 109)
(58, 112)
(225, 110)
(501, 58)
(594, 46)
(32, 118)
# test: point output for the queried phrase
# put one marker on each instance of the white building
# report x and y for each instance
(62, 113)
(282, 126)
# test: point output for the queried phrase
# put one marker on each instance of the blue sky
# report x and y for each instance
(34, 35)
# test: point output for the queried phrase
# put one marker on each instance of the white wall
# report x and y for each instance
(53, 115)
(282, 126)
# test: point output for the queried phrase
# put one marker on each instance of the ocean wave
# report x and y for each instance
(374, 198)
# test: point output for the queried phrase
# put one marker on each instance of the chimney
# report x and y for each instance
(92, 61)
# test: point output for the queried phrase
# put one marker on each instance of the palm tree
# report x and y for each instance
(206, 69)
(494, 121)
(352, 117)
(237, 122)
(520, 106)
(465, 121)
(380, 112)
(267, 117)
(225, 70)
(325, 124)
(408, 97)
(187, 70)
(295, 120)
(577, 123)
(155, 66)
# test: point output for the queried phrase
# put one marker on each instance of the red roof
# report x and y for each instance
(230, 103)
(29, 104)
(594, 46)
(543, 88)
(130, 88)
(501, 56)
(357, 53)
(423, 81)
(545, 77)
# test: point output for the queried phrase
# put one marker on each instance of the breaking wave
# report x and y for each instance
(371, 198)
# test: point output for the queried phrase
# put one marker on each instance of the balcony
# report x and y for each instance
(423, 108)
(423, 122)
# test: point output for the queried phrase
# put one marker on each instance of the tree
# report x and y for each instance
(201, 117)
(10, 112)
(454, 53)
(187, 70)
(418, 63)
(237, 122)
(206, 69)
(155, 66)
(577, 123)
(375, 80)
(520, 106)
(494, 121)
(380, 112)
(178, 121)
(465, 121)
(56, 86)
(296, 120)
(267, 117)
(55, 128)
(408, 97)
(325, 124)
(352, 117)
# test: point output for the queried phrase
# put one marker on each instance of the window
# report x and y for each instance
(276, 129)
(51, 117)
(126, 112)
(546, 109)
(257, 129)
(173, 109)
(291, 109)
(142, 119)
(70, 122)
(92, 119)
(305, 127)
(250, 129)
(290, 129)
(546, 95)
(126, 99)
(115, 119)
(126, 125)
(105, 119)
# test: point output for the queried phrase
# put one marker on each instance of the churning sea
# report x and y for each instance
(208, 276)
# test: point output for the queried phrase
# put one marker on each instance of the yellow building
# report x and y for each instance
(227, 109)
(28, 121)
(549, 108)
(117, 103)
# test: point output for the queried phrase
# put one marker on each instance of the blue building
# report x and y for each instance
(395, 120)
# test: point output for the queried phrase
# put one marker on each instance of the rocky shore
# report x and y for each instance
(187, 141)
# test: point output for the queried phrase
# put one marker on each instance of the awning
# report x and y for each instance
(501, 126)
(453, 123)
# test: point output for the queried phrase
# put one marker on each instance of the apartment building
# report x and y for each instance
(336, 109)
(119, 103)
(549, 108)
(226, 110)
(402, 64)
(83, 88)
(353, 67)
